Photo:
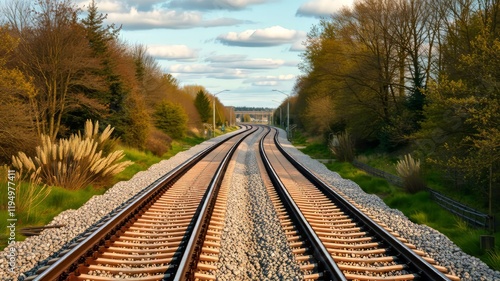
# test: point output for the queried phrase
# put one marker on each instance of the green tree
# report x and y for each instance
(461, 131)
(171, 118)
(98, 34)
(202, 104)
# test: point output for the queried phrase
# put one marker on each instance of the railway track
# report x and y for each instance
(173, 229)
(156, 236)
(346, 243)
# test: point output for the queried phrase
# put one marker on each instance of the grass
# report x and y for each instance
(61, 199)
(420, 209)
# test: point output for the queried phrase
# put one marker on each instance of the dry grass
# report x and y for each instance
(29, 190)
(409, 170)
(73, 163)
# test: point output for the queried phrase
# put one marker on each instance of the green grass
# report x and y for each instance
(59, 199)
(420, 209)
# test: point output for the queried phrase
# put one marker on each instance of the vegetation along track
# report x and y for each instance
(346, 243)
(156, 235)
(173, 229)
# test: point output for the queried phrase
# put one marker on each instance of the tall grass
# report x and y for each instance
(342, 147)
(409, 170)
(75, 162)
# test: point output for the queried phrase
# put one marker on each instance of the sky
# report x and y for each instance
(247, 47)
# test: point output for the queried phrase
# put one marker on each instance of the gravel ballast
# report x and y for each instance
(262, 253)
(251, 225)
(434, 243)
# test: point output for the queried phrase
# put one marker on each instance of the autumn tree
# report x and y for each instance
(17, 131)
(47, 52)
(202, 104)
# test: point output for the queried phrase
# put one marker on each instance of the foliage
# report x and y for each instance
(72, 163)
(158, 142)
(247, 118)
(136, 122)
(17, 132)
(202, 104)
(460, 134)
(46, 53)
(342, 147)
(171, 119)
(409, 170)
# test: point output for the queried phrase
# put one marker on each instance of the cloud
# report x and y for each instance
(251, 64)
(190, 68)
(272, 36)
(214, 4)
(321, 8)
(105, 6)
(171, 19)
(225, 58)
(269, 80)
(173, 52)
(229, 74)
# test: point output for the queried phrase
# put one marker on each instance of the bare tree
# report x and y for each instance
(54, 51)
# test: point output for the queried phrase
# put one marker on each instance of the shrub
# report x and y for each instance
(342, 147)
(409, 170)
(171, 119)
(75, 162)
(158, 142)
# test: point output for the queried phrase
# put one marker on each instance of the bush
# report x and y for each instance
(73, 163)
(136, 124)
(171, 119)
(342, 147)
(409, 170)
(158, 142)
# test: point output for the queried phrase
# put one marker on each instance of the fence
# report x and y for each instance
(471, 216)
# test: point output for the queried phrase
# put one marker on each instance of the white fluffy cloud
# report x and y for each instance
(173, 52)
(191, 68)
(135, 19)
(251, 64)
(214, 4)
(321, 8)
(272, 36)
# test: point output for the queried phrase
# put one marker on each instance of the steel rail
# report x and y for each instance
(329, 268)
(416, 264)
(188, 260)
(67, 265)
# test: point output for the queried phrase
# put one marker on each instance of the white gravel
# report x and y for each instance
(263, 252)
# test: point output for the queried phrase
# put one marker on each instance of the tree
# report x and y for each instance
(47, 52)
(17, 131)
(98, 34)
(202, 104)
(171, 118)
(460, 133)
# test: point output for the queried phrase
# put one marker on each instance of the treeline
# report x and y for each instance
(419, 74)
(61, 66)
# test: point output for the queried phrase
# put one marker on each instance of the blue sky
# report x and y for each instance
(248, 47)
